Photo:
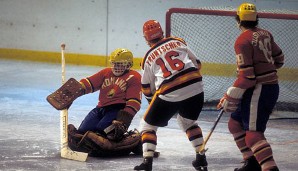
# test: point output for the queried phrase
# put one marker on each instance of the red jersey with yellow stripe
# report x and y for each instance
(125, 89)
(258, 57)
(171, 71)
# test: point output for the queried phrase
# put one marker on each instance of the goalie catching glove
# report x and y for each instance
(119, 126)
(231, 100)
(66, 94)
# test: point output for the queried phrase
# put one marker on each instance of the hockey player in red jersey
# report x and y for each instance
(119, 100)
(172, 84)
(253, 95)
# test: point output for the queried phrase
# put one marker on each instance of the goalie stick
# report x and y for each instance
(203, 150)
(66, 152)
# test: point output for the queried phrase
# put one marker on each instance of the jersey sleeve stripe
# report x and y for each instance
(146, 90)
(247, 72)
(133, 106)
(134, 100)
(88, 85)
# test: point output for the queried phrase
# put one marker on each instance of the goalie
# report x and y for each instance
(104, 131)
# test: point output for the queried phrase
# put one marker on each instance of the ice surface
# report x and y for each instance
(30, 140)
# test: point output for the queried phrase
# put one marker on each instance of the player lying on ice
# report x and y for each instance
(104, 131)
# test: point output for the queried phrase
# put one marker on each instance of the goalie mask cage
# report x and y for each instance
(211, 34)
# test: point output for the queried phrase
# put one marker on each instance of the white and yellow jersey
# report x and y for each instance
(171, 71)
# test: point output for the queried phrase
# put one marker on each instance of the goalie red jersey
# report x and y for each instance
(114, 90)
(258, 57)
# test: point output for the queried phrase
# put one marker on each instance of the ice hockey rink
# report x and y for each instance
(30, 140)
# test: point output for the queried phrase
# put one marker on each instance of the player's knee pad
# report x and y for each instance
(234, 126)
(252, 137)
(185, 123)
(144, 126)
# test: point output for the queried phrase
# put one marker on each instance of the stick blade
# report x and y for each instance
(74, 155)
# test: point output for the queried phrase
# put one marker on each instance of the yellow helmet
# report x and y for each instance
(121, 59)
(247, 12)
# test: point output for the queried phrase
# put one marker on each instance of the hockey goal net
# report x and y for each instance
(211, 34)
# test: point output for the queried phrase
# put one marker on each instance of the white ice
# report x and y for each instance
(30, 140)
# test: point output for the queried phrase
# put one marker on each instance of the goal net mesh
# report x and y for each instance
(211, 34)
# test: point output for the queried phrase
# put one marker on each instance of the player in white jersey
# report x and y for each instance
(172, 84)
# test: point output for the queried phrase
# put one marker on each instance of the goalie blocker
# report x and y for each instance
(66, 94)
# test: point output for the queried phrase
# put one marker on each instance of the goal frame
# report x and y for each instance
(219, 13)
(286, 74)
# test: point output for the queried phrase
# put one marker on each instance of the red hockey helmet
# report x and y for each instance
(152, 30)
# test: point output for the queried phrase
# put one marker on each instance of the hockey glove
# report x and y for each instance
(121, 125)
(230, 101)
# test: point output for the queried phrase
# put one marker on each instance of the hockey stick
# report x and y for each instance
(203, 150)
(66, 152)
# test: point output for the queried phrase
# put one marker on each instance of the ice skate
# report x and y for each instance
(200, 163)
(249, 165)
(146, 165)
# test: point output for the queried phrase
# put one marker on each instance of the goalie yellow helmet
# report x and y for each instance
(121, 59)
(247, 12)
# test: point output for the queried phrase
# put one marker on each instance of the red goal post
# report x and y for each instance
(211, 34)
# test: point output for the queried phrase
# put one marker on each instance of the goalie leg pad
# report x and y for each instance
(103, 147)
(66, 94)
(74, 140)
(130, 140)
